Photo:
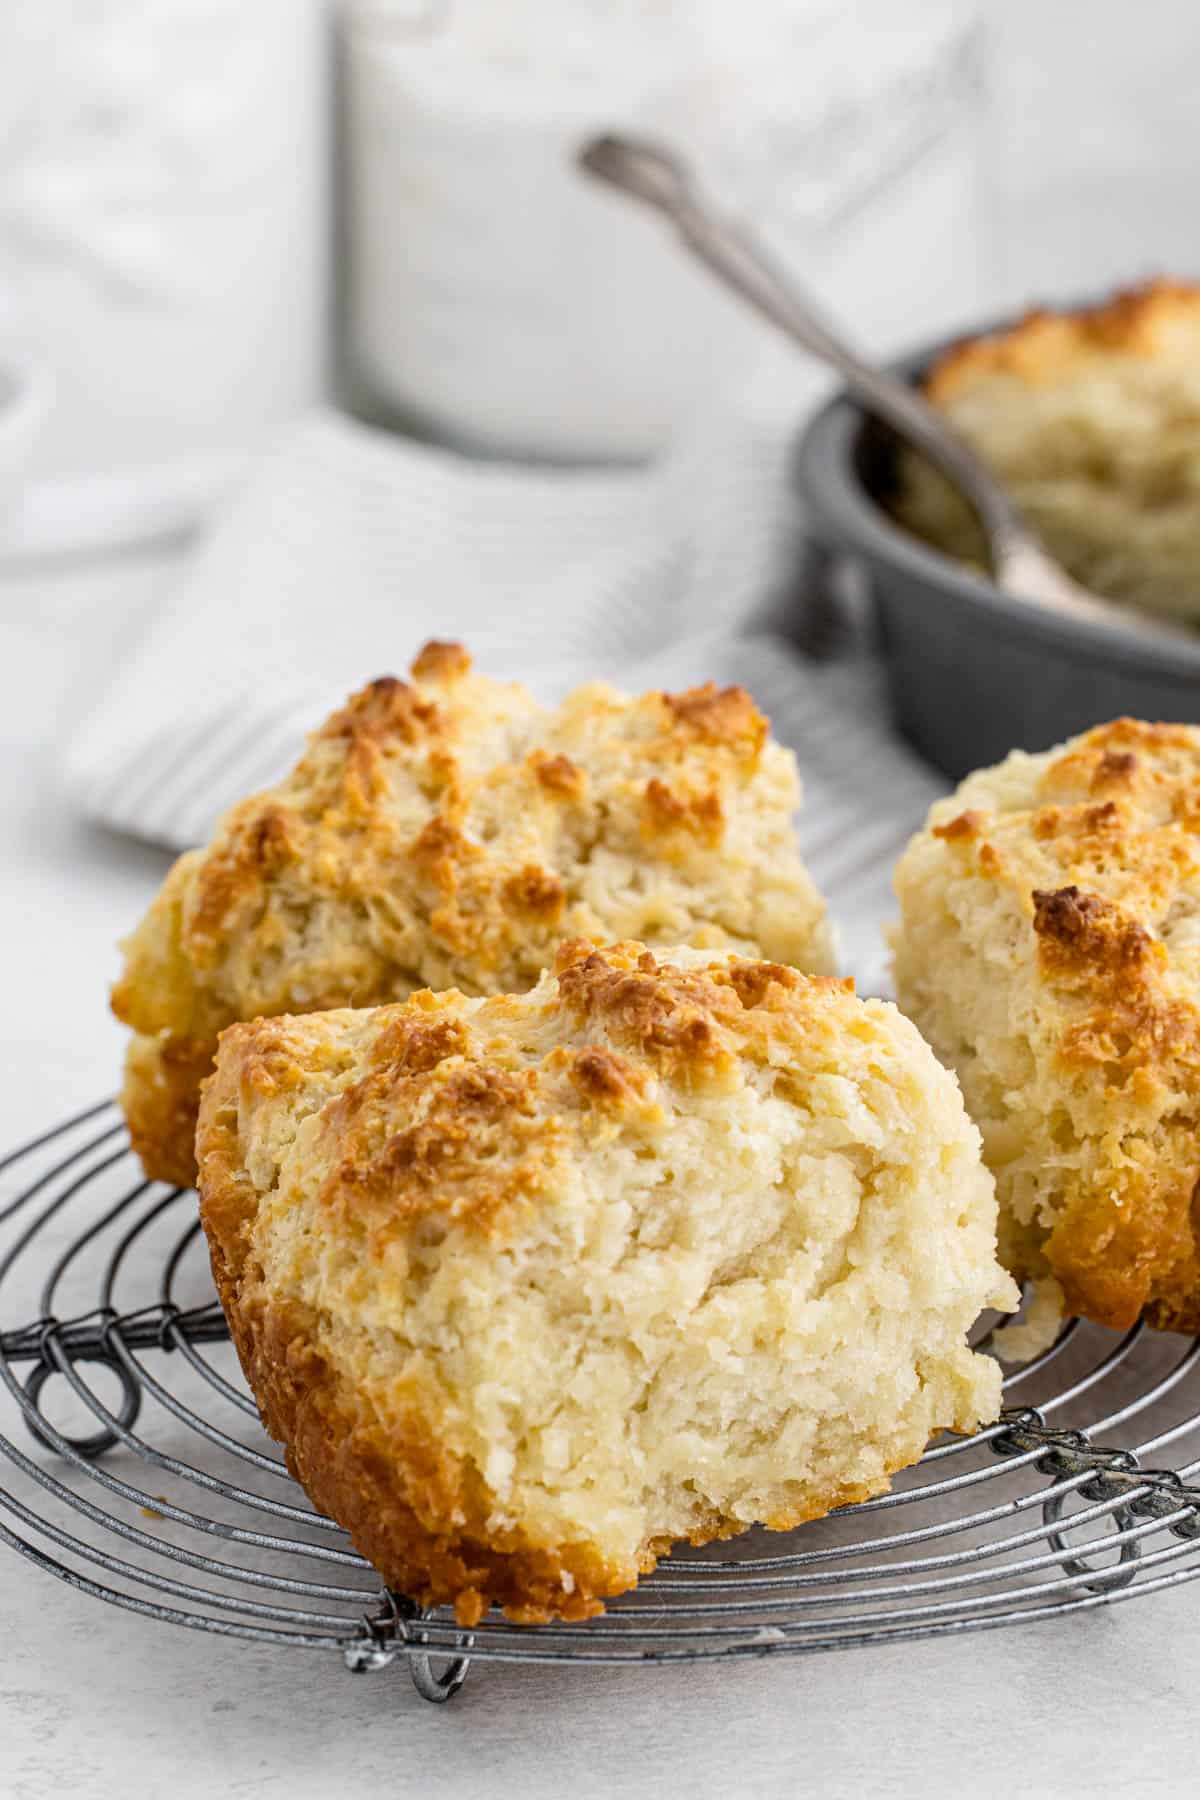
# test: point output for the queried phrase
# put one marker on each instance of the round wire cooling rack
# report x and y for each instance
(162, 1495)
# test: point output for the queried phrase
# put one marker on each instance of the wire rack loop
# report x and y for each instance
(1105, 1579)
(54, 1358)
(1112, 1474)
(1065, 1504)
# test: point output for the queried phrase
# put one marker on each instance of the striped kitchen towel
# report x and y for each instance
(348, 547)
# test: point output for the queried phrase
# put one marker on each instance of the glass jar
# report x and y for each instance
(164, 202)
(498, 300)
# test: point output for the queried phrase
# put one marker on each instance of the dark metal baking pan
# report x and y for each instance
(972, 672)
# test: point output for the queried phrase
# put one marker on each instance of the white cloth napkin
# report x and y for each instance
(347, 548)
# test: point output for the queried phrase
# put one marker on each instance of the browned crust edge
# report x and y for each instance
(1042, 344)
(160, 1099)
(1126, 1243)
(1126, 1246)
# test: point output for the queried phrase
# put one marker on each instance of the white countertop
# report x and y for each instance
(94, 1702)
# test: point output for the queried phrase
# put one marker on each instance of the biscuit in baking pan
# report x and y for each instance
(533, 1286)
(1049, 949)
(1091, 420)
(450, 831)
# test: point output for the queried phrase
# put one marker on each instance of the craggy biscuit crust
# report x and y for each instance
(1049, 949)
(532, 1287)
(1159, 321)
(449, 831)
(1091, 419)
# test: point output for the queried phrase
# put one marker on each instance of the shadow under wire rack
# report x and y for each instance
(162, 1495)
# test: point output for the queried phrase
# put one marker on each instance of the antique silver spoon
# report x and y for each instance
(1020, 565)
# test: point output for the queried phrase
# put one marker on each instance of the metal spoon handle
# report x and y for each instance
(654, 175)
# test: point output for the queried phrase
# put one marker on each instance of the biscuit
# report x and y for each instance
(533, 1286)
(1091, 420)
(449, 831)
(1049, 950)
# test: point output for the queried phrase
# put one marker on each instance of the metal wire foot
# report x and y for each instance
(436, 1686)
(395, 1628)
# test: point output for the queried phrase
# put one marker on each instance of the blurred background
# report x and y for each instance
(214, 216)
(314, 341)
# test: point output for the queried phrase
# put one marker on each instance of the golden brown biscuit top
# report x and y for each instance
(1099, 841)
(449, 830)
(1121, 803)
(467, 1107)
(1158, 322)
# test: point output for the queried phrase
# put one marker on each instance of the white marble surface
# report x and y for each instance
(95, 1703)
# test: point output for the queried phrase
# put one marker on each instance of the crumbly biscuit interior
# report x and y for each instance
(675, 1263)
(1049, 949)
